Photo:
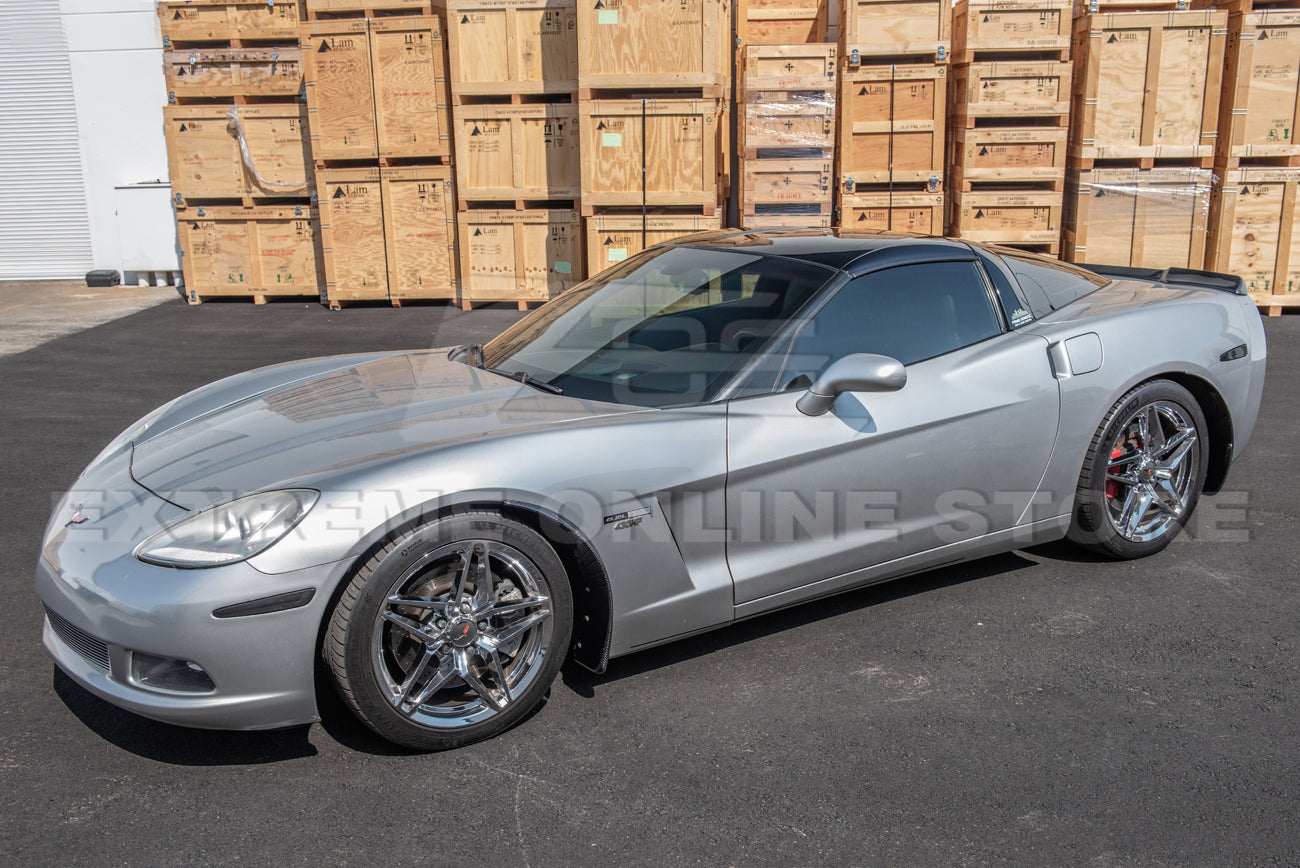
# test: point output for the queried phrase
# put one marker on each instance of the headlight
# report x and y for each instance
(228, 533)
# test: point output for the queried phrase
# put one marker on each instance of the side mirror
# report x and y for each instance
(860, 372)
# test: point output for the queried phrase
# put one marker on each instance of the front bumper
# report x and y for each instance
(104, 607)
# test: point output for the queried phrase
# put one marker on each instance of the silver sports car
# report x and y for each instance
(716, 428)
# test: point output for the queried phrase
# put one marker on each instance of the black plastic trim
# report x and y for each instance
(266, 605)
(1173, 276)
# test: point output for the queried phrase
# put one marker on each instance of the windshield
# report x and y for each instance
(673, 325)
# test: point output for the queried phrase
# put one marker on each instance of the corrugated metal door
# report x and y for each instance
(44, 230)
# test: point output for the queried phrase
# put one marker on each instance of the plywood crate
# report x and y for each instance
(228, 20)
(513, 46)
(419, 231)
(679, 141)
(873, 28)
(1147, 218)
(334, 7)
(409, 60)
(612, 238)
(1010, 25)
(893, 212)
(786, 182)
(892, 125)
(340, 91)
(377, 88)
(205, 160)
(1006, 216)
(655, 44)
(788, 67)
(1254, 232)
(789, 220)
(352, 234)
(517, 151)
(1030, 154)
(1147, 84)
(1010, 89)
(205, 73)
(519, 256)
(781, 22)
(251, 252)
(787, 119)
(1261, 91)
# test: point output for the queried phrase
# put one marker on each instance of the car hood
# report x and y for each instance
(332, 421)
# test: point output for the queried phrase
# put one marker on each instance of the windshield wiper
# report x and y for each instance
(527, 380)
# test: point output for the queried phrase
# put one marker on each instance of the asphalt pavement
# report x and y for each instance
(1037, 708)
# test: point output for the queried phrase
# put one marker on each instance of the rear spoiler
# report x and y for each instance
(1174, 276)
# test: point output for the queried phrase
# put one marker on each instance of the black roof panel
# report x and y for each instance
(836, 248)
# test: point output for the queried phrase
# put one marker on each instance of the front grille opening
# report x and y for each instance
(79, 640)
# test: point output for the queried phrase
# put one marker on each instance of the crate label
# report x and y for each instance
(607, 16)
(611, 140)
(616, 254)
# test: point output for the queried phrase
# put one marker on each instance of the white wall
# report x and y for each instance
(117, 75)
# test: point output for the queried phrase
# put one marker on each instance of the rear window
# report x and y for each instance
(1050, 285)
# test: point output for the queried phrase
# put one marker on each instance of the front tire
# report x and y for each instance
(452, 633)
(1143, 474)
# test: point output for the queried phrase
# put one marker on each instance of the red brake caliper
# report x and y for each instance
(1112, 487)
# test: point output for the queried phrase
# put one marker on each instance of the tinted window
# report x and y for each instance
(1012, 306)
(1048, 284)
(911, 313)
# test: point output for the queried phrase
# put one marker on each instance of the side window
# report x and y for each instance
(912, 313)
(1012, 306)
(1048, 283)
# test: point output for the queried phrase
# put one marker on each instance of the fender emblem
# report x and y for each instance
(77, 519)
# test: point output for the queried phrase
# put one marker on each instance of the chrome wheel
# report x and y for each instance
(462, 633)
(1153, 463)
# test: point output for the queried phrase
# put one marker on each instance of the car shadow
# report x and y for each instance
(178, 745)
(584, 682)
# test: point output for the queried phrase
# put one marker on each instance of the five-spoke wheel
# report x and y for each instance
(1143, 474)
(452, 633)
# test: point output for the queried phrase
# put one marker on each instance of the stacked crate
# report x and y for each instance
(1010, 122)
(514, 82)
(1254, 225)
(653, 120)
(892, 114)
(785, 100)
(1144, 123)
(380, 125)
(237, 149)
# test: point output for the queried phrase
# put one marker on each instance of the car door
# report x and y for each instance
(957, 453)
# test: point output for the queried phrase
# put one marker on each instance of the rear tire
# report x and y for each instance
(452, 633)
(1143, 473)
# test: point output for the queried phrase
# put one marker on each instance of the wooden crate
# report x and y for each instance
(652, 43)
(333, 7)
(873, 28)
(892, 125)
(205, 160)
(1034, 154)
(785, 119)
(785, 182)
(513, 46)
(419, 231)
(340, 92)
(781, 22)
(1147, 218)
(792, 220)
(206, 73)
(788, 67)
(981, 91)
(352, 234)
(679, 141)
(1006, 216)
(1010, 25)
(1261, 91)
(517, 152)
(612, 238)
(518, 256)
(229, 20)
(897, 212)
(1254, 233)
(251, 252)
(1147, 84)
(409, 60)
